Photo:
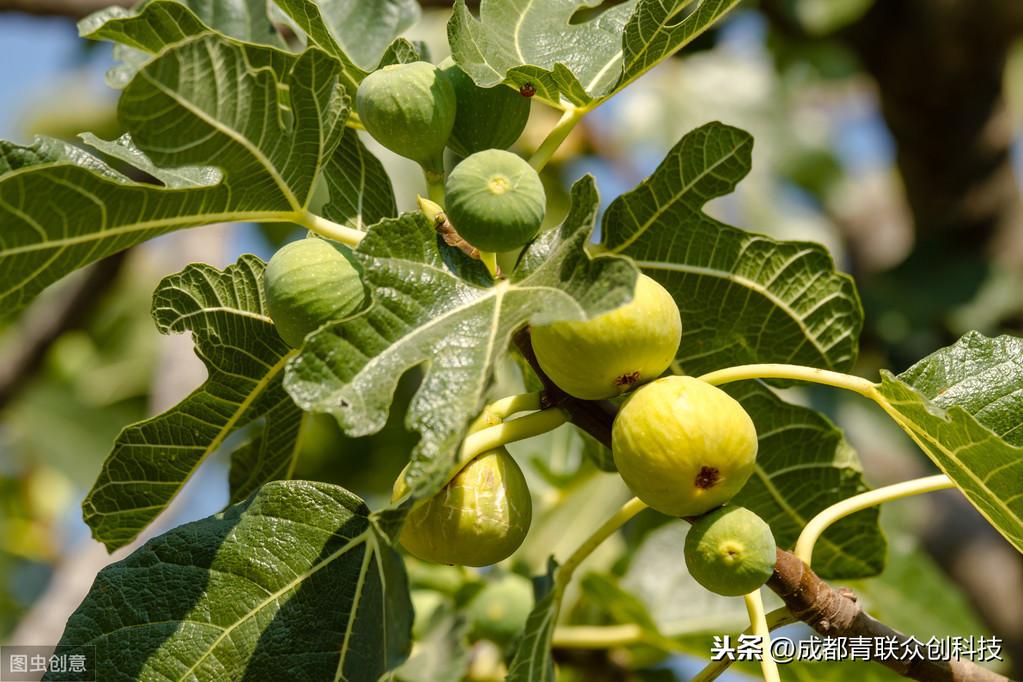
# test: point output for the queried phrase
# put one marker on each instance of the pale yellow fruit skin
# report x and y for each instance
(478, 519)
(611, 353)
(683, 446)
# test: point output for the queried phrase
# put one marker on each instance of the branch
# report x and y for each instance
(830, 612)
(835, 613)
(42, 326)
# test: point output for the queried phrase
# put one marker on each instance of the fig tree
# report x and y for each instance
(486, 118)
(308, 283)
(730, 551)
(479, 518)
(683, 446)
(499, 611)
(495, 200)
(609, 354)
(410, 109)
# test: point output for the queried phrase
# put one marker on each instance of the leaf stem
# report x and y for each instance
(524, 402)
(775, 619)
(331, 230)
(487, 439)
(795, 372)
(758, 622)
(433, 171)
(597, 636)
(626, 512)
(554, 138)
(820, 523)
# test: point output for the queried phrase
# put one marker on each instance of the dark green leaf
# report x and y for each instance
(532, 661)
(805, 465)
(294, 584)
(234, 337)
(744, 297)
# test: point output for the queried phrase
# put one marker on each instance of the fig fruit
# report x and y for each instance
(609, 354)
(486, 118)
(308, 283)
(410, 109)
(499, 611)
(730, 551)
(495, 200)
(683, 446)
(479, 518)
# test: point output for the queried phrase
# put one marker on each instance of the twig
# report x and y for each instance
(831, 612)
(42, 326)
(835, 613)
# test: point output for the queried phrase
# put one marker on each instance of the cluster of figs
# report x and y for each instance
(683, 446)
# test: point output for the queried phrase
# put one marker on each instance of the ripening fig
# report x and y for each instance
(308, 283)
(499, 611)
(730, 551)
(487, 118)
(410, 109)
(683, 446)
(495, 200)
(609, 354)
(479, 518)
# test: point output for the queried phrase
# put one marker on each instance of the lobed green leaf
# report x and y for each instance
(745, 298)
(151, 460)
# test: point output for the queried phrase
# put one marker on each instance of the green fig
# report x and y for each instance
(499, 611)
(487, 118)
(479, 518)
(683, 446)
(308, 283)
(495, 200)
(611, 353)
(730, 551)
(410, 109)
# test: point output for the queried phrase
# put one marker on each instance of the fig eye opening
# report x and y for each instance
(499, 184)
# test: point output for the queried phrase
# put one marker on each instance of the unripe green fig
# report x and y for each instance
(479, 518)
(499, 611)
(683, 446)
(308, 283)
(410, 109)
(487, 118)
(730, 551)
(495, 200)
(609, 354)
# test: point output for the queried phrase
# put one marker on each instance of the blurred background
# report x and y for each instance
(891, 131)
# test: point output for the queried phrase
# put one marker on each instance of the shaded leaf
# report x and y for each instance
(744, 297)
(234, 337)
(805, 465)
(360, 190)
(532, 661)
(434, 307)
(234, 595)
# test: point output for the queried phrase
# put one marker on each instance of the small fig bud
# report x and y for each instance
(730, 551)
(479, 518)
(683, 446)
(408, 108)
(495, 200)
(308, 283)
(487, 118)
(499, 611)
(611, 353)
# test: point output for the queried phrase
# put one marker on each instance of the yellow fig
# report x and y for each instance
(683, 446)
